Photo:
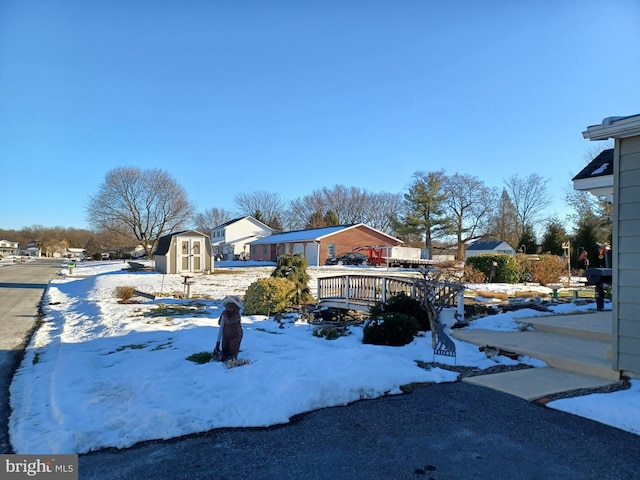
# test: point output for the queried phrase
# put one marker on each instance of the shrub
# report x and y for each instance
(390, 328)
(294, 268)
(402, 303)
(330, 332)
(268, 296)
(473, 275)
(547, 269)
(200, 358)
(125, 293)
(507, 270)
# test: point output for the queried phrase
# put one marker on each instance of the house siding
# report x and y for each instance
(344, 241)
(347, 240)
(626, 258)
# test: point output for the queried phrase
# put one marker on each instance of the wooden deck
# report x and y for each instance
(361, 292)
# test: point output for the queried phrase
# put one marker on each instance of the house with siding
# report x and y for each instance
(7, 248)
(481, 248)
(184, 252)
(231, 239)
(318, 244)
(625, 131)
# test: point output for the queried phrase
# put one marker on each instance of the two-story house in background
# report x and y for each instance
(8, 248)
(230, 240)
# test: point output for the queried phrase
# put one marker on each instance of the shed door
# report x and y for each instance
(190, 256)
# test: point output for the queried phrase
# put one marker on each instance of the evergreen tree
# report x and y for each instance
(294, 269)
(553, 238)
(527, 242)
(503, 225)
(425, 213)
(586, 237)
(331, 218)
(316, 220)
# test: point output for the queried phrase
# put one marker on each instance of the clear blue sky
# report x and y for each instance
(291, 96)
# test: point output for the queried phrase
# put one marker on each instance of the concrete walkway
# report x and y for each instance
(577, 349)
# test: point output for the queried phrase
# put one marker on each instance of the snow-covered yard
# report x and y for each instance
(99, 373)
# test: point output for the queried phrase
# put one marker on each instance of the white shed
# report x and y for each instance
(184, 252)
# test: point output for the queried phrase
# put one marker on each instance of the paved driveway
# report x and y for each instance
(21, 288)
(445, 431)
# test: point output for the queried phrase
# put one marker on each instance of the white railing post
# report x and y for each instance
(460, 305)
(347, 289)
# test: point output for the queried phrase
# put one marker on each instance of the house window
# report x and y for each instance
(331, 250)
(196, 248)
(185, 248)
(264, 249)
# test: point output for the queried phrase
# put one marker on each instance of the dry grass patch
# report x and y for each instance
(489, 294)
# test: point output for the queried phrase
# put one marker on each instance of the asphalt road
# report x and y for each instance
(445, 431)
(21, 288)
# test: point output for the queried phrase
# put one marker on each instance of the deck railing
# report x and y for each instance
(360, 292)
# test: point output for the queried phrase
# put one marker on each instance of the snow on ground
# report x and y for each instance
(99, 373)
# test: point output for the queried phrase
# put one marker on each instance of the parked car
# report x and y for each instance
(351, 258)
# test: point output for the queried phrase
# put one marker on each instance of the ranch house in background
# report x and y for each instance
(625, 192)
(480, 248)
(184, 252)
(318, 244)
(231, 239)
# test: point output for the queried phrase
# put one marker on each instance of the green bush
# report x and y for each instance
(507, 271)
(402, 303)
(294, 269)
(268, 296)
(390, 328)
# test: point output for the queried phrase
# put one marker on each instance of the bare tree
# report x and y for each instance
(267, 207)
(144, 203)
(350, 205)
(470, 203)
(383, 208)
(529, 197)
(211, 218)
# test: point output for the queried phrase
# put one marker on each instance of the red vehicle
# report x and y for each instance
(393, 256)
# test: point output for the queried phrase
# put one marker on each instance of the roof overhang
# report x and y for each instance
(600, 186)
(614, 127)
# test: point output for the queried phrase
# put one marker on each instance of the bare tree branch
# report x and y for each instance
(145, 203)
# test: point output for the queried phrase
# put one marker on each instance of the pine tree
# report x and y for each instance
(425, 208)
(294, 269)
(503, 225)
(553, 238)
(527, 242)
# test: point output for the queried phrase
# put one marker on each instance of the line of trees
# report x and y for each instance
(134, 206)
